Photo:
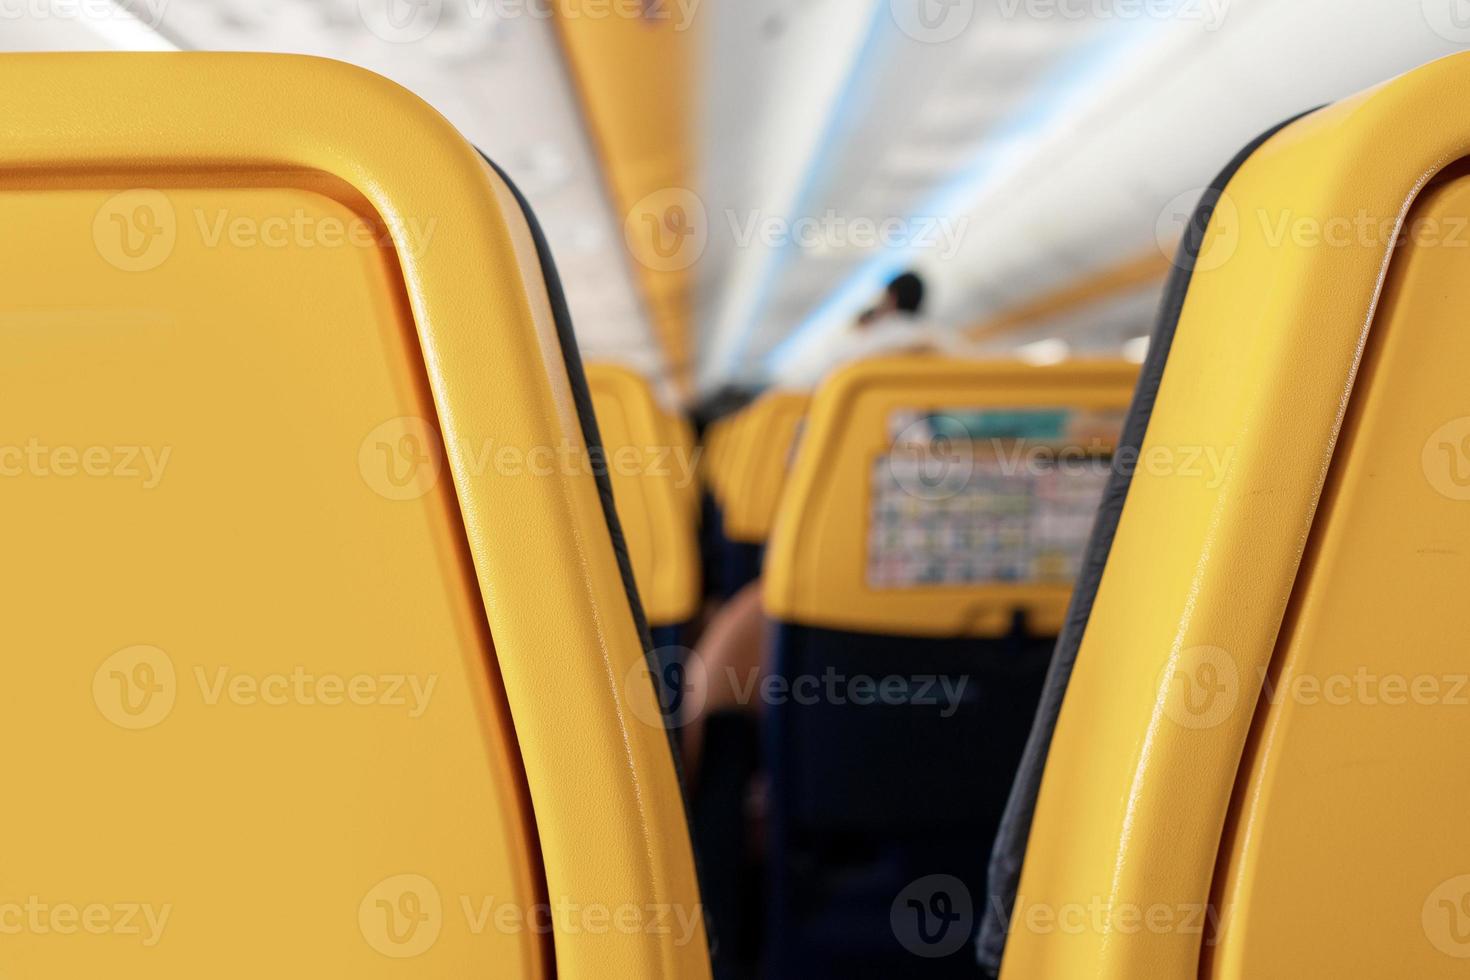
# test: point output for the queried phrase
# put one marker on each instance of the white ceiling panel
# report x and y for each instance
(1142, 113)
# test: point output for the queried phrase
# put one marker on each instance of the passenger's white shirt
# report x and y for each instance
(892, 334)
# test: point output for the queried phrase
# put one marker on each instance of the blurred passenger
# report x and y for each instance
(730, 662)
(722, 764)
(721, 743)
(902, 300)
(735, 634)
(895, 325)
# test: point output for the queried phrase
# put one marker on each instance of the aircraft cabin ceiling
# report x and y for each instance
(1033, 159)
(1032, 151)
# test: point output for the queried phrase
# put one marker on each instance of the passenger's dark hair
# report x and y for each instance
(907, 291)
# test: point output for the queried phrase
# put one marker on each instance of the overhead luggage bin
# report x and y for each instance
(1258, 769)
(302, 677)
(923, 554)
(652, 469)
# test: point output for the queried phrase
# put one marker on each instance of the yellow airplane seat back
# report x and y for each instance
(300, 679)
(1258, 766)
(922, 558)
(713, 442)
(684, 439)
(843, 554)
(725, 439)
(755, 470)
(759, 468)
(651, 469)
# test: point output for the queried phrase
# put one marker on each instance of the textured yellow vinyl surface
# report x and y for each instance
(652, 471)
(1156, 753)
(339, 694)
(1353, 784)
(761, 464)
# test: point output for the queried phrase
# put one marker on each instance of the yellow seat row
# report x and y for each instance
(651, 459)
(761, 456)
(323, 631)
(750, 455)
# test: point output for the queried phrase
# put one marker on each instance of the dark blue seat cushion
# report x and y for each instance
(891, 759)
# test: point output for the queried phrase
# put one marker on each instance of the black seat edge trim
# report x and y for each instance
(1009, 849)
(581, 394)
